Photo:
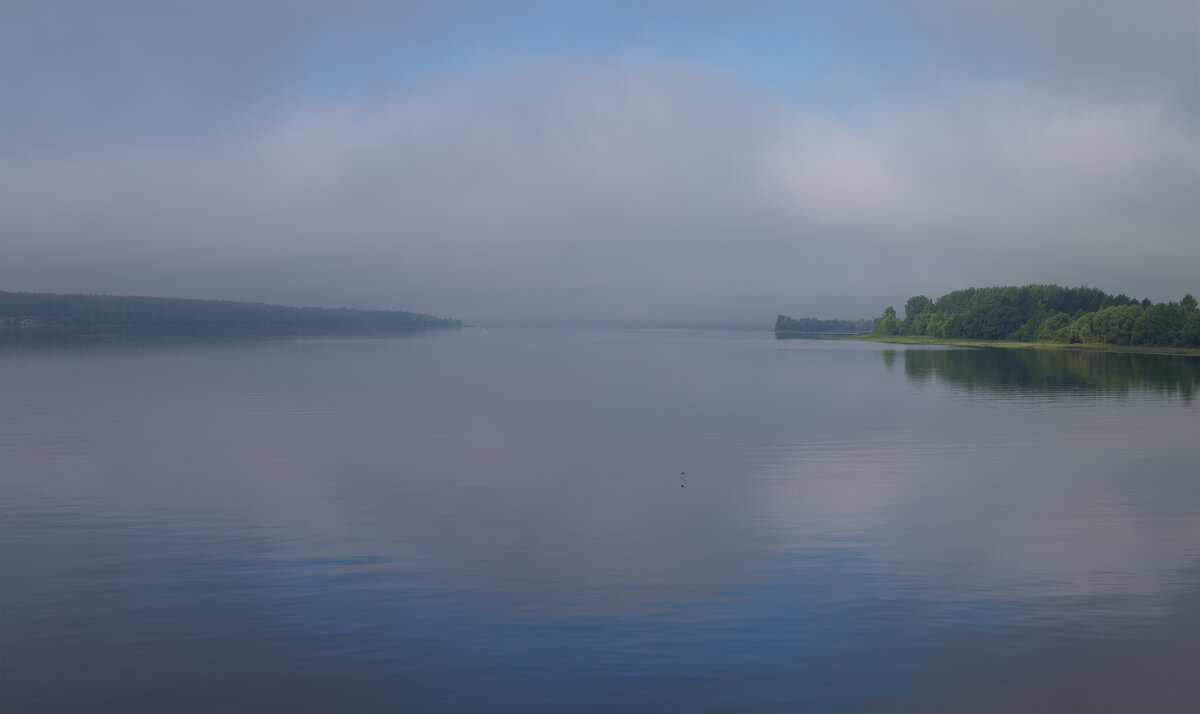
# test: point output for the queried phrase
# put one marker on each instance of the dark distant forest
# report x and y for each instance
(785, 324)
(1047, 313)
(52, 309)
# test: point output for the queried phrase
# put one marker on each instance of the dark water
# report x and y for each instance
(493, 520)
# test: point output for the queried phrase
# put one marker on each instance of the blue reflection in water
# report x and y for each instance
(493, 522)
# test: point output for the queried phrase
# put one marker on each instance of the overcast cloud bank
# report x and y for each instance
(631, 188)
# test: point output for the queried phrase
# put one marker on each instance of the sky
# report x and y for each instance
(611, 162)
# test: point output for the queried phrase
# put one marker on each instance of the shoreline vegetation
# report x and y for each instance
(1041, 317)
(20, 310)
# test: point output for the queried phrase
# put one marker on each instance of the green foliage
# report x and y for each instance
(1111, 325)
(52, 308)
(917, 305)
(1053, 328)
(1189, 336)
(888, 324)
(992, 323)
(918, 324)
(1159, 324)
(1047, 313)
(1029, 328)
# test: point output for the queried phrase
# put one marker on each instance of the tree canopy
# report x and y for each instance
(1047, 313)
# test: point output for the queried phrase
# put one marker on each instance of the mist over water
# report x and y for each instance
(603, 520)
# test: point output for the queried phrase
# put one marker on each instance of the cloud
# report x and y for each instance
(1149, 51)
(135, 70)
(618, 188)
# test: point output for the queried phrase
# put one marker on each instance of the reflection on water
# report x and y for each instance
(497, 521)
(1031, 371)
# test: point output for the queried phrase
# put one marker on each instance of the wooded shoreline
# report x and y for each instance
(36, 310)
(1047, 315)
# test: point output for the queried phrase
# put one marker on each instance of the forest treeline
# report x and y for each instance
(18, 308)
(785, 324)
(1047, 313)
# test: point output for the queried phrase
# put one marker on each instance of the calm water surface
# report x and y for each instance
(594, 521)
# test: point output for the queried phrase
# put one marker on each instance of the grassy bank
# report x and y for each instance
(1004, 344)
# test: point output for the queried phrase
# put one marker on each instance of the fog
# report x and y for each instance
(633, 164)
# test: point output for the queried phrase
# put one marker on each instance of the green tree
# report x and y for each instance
(888, 324)
(1160, 324)
(1190, 334)
(916, 305)
(1051, 328)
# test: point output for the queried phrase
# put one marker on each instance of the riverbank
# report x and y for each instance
(1004, 344)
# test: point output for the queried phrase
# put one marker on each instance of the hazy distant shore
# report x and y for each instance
(42, 310)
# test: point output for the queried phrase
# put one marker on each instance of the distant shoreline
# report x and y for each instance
(55, 310)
